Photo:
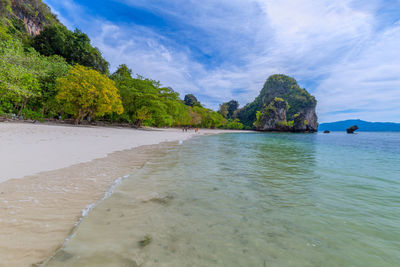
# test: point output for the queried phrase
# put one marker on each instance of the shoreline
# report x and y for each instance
(39, 210)
(28, 149)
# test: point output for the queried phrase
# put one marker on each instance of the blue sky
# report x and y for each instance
(345, 52)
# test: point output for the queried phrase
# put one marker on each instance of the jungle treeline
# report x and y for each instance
(58, 74)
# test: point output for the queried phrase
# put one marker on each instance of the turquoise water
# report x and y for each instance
(252, 200)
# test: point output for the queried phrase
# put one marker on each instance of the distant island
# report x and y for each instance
(364, 126)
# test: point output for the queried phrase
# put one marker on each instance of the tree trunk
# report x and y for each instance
(79, 117)
(90, 116)
(22, 106)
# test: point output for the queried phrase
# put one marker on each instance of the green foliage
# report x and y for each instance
(233, 124)
(86, 92)
(247, 114)
(282, 124)
(4, 35)
(223, 110)
(287, 88)
(5, 7)
(227, 110)
(269, 110)
(191, 100)
(14, 14)
(146, 103)
(279, 88)
(26, 77)
(33, 115)
(34, 9)
(74, 46)
(258, 122)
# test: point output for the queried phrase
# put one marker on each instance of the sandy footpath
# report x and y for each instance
(61, 170)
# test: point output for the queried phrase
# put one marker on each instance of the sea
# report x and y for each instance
(251, 199)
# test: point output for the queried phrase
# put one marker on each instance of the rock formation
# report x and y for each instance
(281, 106)
(273, 117)
(32, 15)
(352, 129)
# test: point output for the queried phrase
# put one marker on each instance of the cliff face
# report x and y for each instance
(33, 27)
(306, 121)
(281, 106)
(273, 116)
(32, 14)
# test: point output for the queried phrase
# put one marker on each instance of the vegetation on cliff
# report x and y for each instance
(279, 88)
(24, 18)
(74, 46)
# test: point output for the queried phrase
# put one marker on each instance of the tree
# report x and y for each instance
(86, 92)
(223, 110)
(27, 78)
(233, 105)
(228, 109)
(147, 103)
(74, 46)
(191, 100)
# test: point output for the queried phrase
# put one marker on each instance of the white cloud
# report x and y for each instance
(368, 81)
(335, 45)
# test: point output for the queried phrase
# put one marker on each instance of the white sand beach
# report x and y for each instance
(27, 149)
(50, 173)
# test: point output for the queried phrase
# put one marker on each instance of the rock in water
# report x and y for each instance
(326, 131)
(281, 106)
(352, 129)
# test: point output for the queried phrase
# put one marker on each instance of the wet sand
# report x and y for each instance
(38, 211)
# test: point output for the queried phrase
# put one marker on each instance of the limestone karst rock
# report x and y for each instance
(300, 114)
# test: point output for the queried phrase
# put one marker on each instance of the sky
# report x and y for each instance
(344, 52)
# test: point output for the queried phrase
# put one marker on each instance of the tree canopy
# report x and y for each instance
(227, 110)
(74, 46)
(191, 100)
(85, 92)
(147, 103)
(27, 78)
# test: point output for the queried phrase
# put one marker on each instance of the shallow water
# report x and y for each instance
(252, 200)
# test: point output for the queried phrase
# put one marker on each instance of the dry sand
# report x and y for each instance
(26, 149)
(62, 170)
